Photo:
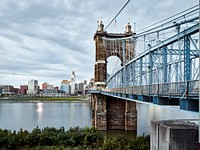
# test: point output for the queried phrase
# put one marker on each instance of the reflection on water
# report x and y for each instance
(14, 116)
(39, 110)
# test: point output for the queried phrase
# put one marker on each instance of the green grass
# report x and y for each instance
(45, 98)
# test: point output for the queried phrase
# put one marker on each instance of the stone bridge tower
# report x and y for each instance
(105, 49)
(109, 112)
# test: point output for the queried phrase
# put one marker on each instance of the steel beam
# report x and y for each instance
(164, 64)
(187, 60)
(140, 82)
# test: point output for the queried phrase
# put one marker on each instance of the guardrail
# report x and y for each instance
(182, 89)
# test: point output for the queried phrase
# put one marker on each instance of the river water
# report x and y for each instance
(28, 115)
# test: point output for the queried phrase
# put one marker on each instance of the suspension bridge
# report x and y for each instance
(159, 65)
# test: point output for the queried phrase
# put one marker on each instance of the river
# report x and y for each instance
(29, 115)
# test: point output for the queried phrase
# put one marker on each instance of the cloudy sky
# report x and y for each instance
(47, 39)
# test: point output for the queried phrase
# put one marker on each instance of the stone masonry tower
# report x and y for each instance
(100, 64)
(104, 50)
(109, 112)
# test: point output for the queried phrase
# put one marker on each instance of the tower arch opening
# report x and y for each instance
(113, 64)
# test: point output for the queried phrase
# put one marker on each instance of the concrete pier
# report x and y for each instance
(174, 135)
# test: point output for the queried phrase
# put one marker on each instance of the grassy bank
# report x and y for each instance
(81, 99)
(74, 138)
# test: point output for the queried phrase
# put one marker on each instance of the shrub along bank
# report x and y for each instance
(74, 138)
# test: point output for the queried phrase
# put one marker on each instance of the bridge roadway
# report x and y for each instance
(185, 94)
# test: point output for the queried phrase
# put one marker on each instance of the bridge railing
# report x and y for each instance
(193, 87)
(180, 89)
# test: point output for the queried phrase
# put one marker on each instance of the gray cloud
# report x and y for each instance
(47, 39)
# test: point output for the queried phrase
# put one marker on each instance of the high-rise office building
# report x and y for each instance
(72, 83)
(33, 87)
(81, 88)
(65, 87)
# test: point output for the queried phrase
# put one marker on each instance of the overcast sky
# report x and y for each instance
(47, 39)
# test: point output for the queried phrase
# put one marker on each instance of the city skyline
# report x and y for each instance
(46, 40)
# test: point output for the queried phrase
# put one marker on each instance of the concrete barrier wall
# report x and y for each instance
(174, 135)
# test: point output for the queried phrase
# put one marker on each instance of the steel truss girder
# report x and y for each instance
(192, 30)
(179, 52)
(165, 66)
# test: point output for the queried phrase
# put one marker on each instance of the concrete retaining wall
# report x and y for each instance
(174, 135)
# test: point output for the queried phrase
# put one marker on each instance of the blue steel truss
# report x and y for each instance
(168, 52)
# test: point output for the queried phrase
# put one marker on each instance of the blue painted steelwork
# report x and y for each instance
(150, 67)
(164, 63)
(141, 71)
(156, 70)
(187, 61)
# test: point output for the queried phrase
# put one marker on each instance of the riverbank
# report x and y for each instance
(45, 99)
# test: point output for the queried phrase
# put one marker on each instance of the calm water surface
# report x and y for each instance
(29, 115)
(14, 116)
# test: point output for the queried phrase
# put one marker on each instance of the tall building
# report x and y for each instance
(72, 83)
(33, 87)
(65, 87)
(76, 88)
(81, 88)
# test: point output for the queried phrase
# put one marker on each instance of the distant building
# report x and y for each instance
(72, 83)
(33, 87)
(50, 92)
(76, 88)
(16, 91)
(8, 89)
(23, 89)
(49, 87)
(65, 82)
(56, 88)
(85, 82)
(81, 89)
(1, 91)
(65, 87)
(91, 84)
(44, 85)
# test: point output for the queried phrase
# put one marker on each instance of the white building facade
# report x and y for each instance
(72, 83)
(33, 87)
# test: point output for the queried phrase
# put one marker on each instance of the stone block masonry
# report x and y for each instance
(110, 113)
